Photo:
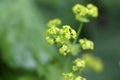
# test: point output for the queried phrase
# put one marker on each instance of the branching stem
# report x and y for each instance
(78, 32)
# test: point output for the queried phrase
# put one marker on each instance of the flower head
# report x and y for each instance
(92, 10)
(83, 12)
(55, 22)
(64, 50)
(79, 64)
(86, 44)
(68, 76)
(80, 11)
(80, 78)
(50, 40)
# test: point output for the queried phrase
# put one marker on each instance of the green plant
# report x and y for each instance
(66, 39)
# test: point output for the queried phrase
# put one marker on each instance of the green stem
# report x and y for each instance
(78, 32)
(66, 62)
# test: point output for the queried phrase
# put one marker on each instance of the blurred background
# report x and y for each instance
(24, 54)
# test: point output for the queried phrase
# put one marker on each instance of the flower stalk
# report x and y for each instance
(78, 32)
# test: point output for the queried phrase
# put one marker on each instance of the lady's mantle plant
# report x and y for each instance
(66, 39)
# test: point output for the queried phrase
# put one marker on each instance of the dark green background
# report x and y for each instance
(24, 54)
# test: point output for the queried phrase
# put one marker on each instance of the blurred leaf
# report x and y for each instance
(27, 78)
(50, 72)
(75, 49)
(54, 73)
(22, 35)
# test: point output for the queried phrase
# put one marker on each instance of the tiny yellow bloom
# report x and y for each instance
(86, 44)
(78, 78)
(92, 10)
(74, 68)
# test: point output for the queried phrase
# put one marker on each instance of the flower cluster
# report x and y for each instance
(81, 12)
(86, 44)
(63, 37)
(93, 62)
(55, 22)
(78, 66)
(60, 36)
(92, 10)
(71, 76)
(52, 30)
(80, 78)
(68, 76)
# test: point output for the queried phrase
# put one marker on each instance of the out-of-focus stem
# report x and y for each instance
(78, 32)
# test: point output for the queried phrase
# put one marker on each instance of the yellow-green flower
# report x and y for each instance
(80, 78)
(73, 34)
(92, 10)
(65, 32)
(83, 12)
(93, 62)
(55, 22)
(74, 68)
(86, 44)
(64, 50)
(50, 40)
(80, 11)
(68, 32)
(68, 76)
(52, 30)
(79, 64)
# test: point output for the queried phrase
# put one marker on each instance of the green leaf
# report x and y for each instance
(83, 19)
